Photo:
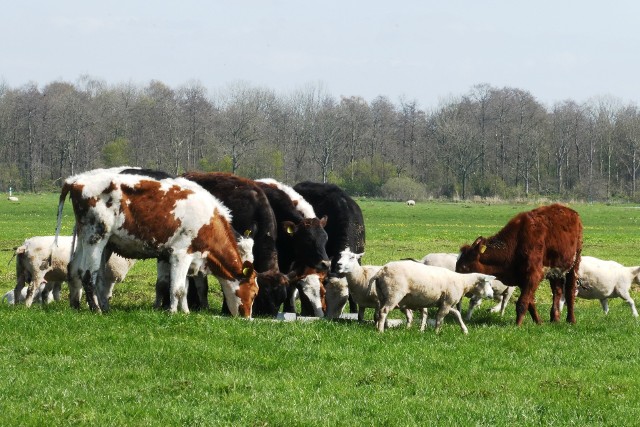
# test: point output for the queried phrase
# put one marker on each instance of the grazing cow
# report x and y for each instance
(143, 214)
(250, 210)
(544, 242)
(301, 240)
(43, 265)
(345, 223)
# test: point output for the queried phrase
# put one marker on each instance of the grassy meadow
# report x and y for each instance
(138, 366)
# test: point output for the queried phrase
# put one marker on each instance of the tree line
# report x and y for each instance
(489, 142)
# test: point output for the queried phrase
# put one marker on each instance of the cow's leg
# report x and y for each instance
(361, 311)
(163, 283)
(570, 293)
(353, 307)
(103, 290)
(180, 263)
(289, 305)
(526, 303)
(557, 289)
(85, 266)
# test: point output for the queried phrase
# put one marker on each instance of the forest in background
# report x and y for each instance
(490, 142)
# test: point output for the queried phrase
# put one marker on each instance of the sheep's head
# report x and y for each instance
(482, 288)
(348, 261)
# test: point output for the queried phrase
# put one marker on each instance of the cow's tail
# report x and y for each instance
(63, 195)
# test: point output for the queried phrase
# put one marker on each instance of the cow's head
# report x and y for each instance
(469, 257)
(337, 295)
(309, 240)
(247, 290)
(310, 284)
(272, 294)
(348, 261)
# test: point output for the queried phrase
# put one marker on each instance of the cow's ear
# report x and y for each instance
(477, 241)
(247, 269)
(289, 227)
(323, 221)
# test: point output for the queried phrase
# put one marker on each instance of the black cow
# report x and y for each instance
(250, 210)
(301, 241)
(345, 224)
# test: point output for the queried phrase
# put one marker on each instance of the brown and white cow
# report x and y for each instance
(147, 214)
(543, 242)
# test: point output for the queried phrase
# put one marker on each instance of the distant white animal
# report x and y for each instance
(412, 285)
(43, 266)
(601, 280)
(12, 198)
(9, 297)
(411, 202)
(501, 292)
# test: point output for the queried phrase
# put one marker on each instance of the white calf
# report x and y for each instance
(412, 285)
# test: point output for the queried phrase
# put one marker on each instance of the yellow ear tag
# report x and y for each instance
(290, 230)
(246, 271)
(483, 248)
(247, 233)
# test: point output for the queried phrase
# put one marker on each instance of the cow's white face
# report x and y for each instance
(348, 261)
(311, 287)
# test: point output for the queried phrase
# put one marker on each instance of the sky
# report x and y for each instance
(428, 51)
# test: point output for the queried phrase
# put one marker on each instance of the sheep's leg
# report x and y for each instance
(57, 287)
(627, 297)
(442, 311)
(459, 317)
(474, 302)
(423, 320)
(382, 320)
(604, 302)
(409, 315)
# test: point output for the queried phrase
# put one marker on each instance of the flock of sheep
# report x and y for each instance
(426, 283)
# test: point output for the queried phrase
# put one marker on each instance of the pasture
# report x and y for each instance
(138, 366)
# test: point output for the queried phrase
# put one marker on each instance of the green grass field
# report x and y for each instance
(137, 366)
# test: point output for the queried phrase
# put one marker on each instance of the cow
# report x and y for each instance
(543, 242)
(142, 214)
(301, 237)
(345, 223)
(251, 214)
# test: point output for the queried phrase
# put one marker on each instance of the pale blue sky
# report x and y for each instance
(423, 50)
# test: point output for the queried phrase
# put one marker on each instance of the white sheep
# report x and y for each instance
(359, 283)
(501, 292)
(43, 266)
(411, 202)
(413, 285)
(600, 279)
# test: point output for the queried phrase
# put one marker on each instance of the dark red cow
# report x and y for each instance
(544, 242)
(250, 210)
(345, 223)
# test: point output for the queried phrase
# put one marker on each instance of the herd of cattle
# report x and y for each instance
(268, 244)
